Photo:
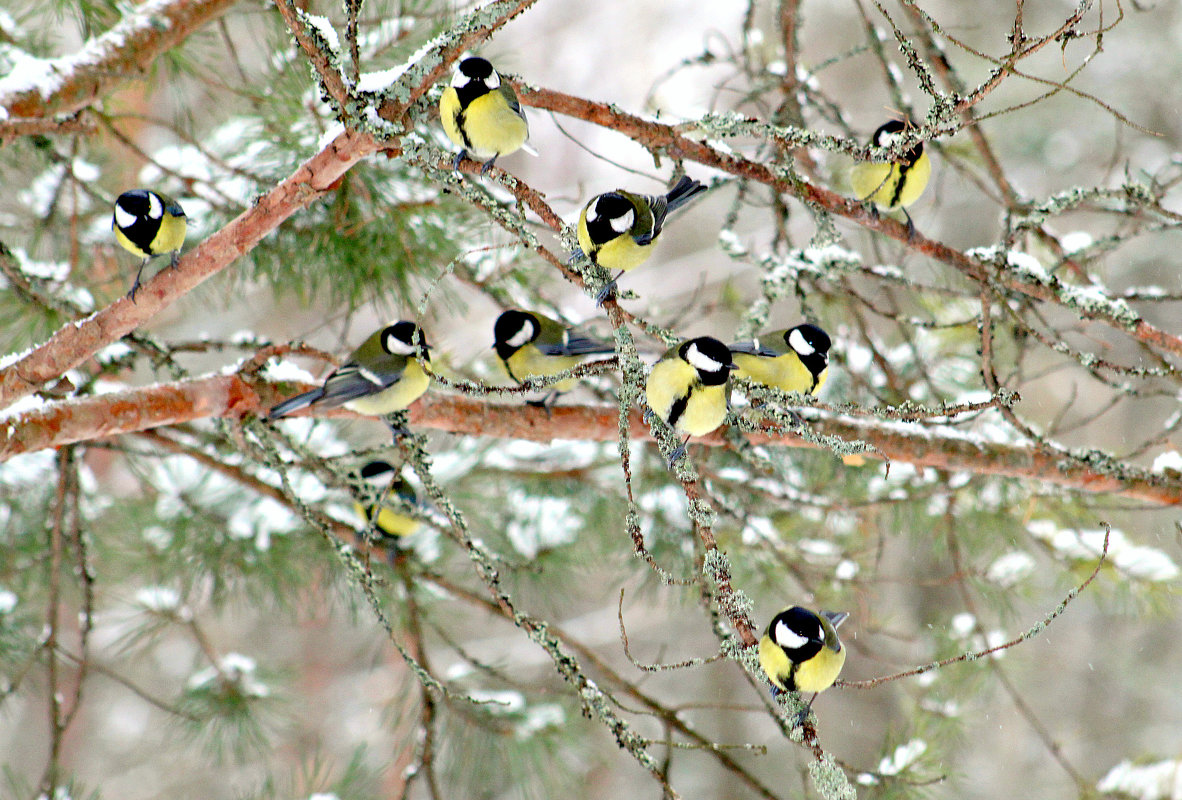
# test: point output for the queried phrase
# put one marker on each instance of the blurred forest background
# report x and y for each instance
(185, 609)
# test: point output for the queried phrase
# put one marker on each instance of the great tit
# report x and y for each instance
(795, 360)
(688, 388)
(892, 185)
(381, 376)
(800, 652)
(148, 224)
(481, 115)
(385, 517)
(617, 229)
(529, 344)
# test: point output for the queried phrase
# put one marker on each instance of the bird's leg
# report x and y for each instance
(136, 285)
(576, 256)
(608, 291)
(396, 422)
(546, 403)
(176, 259)
(678, 453)
(460, 156)
(802, 717)
(910, 226)
(488, 165)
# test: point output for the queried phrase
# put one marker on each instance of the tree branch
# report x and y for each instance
(235, 396)
(317, 176)
(667, 138)
(122, 53)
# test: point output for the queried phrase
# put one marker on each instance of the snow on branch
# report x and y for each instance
(235, 396)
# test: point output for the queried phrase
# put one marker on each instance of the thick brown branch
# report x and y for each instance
(78, 341)
(120, 54)
(234, 396)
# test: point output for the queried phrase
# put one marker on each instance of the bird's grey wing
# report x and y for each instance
(752, 347)
(353, 380)
(575, 345)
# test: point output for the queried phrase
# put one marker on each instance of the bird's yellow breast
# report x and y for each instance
(676, 394)
(785, 372)
(488, 127)
(398, 395)
(620, 253)
(819, 672)
(388, 521)
(815, 675)
(879, 182)
(170, 236)
(529, 361)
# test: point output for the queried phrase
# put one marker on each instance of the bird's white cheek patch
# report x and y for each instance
(123, 218)
(521, 337)
(622, 223)
(398, 347)
(155, 209)
(493, 81)
(788, 638)
(699, 360)
(798, 343)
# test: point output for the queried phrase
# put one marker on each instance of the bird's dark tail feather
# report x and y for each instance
(295, 403)
(686, 189)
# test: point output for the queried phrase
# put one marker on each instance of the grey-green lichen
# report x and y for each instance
(830, 779)
(1092, 301)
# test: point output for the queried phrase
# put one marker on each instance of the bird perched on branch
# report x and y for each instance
(688, 388)
(529, 344)
(383, 375)
(801, 651)
(890, 185)
(617, 229)
(148, 224)
(795, 360)
(481, 115)
(388, 516)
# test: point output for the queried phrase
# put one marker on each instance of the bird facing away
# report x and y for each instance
(892, 185)
(148, 224)
(385, 516)
(481, 115)
(617, 229)
(529, 344)
(794, 360)
(381, 376)
(801, 652)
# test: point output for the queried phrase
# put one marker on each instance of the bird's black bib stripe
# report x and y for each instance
(678, 408)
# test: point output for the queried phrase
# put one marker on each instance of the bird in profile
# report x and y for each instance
(794, 360)
(529, 344)
(617, 230)
(381, 376)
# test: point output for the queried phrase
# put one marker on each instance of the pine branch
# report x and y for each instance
(316, 177)
(235, 396)
(104, 63)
